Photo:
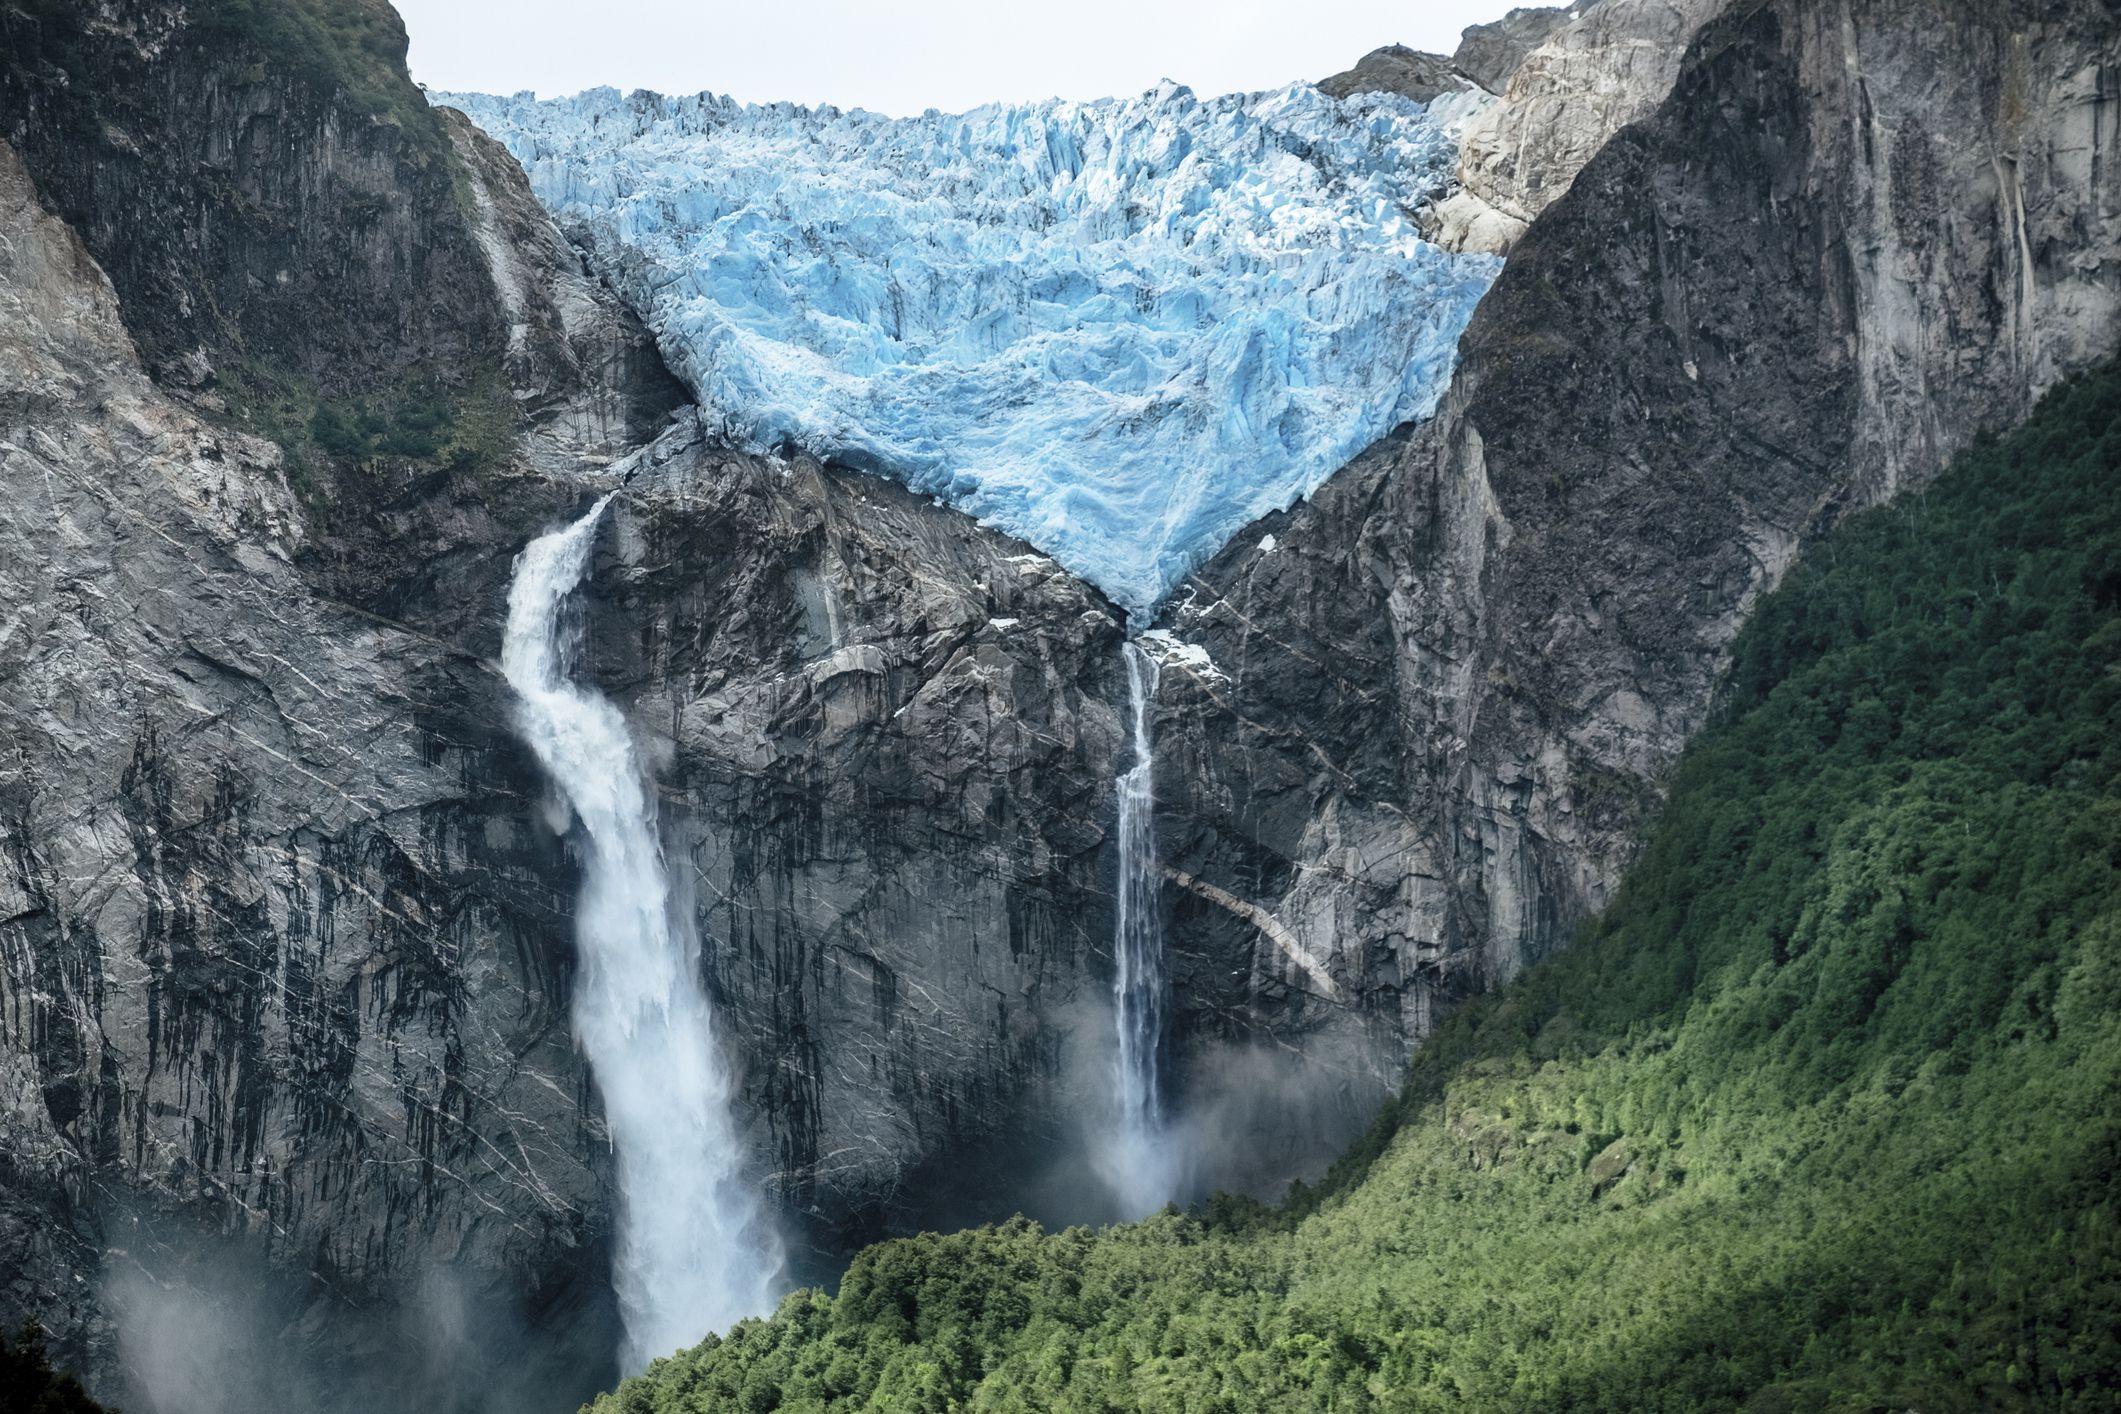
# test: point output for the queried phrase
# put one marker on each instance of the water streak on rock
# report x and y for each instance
(1140, 1162)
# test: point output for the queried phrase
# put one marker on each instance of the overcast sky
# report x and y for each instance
(900, 56)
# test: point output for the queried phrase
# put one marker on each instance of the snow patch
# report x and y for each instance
(1169, 650)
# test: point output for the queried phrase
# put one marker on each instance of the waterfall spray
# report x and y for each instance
(1139, 1164)
(694, 1252)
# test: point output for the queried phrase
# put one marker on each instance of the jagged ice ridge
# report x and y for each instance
(1121, 330)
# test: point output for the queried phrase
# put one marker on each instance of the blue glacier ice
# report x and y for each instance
(1121, 330)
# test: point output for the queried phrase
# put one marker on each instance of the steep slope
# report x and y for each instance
(283, 993)
(284, 925)
(1410, 729)
(1817, 1115)
(1607, 65)
(1449, 688)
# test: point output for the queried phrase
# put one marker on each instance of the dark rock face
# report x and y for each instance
(284, 979)
(254, 182)
(1398, 69)
(1451, 684)
(1486, 57)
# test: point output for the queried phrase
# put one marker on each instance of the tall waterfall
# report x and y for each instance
(1139, 1162)
(695, 1254)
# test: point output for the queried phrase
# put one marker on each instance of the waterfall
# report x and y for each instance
(1139, 1162)
(694, 1253)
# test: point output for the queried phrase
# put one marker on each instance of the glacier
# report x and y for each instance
(1120, 330)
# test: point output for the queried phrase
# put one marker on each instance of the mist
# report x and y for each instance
(206, 1323)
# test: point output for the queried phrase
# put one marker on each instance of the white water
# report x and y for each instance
(694, 1253)
(1139, 1162)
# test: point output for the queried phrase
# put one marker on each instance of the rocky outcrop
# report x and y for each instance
(1398, 69)
(1446, 690)
(1609, 64)
(1566, 80)
(1490, 53)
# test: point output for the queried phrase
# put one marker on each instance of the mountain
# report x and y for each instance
(1454, 682)
(1817, 1115)
(295, 363)
(296, 1117)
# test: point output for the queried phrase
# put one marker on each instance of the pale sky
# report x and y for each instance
(901, 56)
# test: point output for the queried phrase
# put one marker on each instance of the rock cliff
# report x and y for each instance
(1603, 67)
(1447, 687)
(284, 922)
(291, 366)
(284, 980)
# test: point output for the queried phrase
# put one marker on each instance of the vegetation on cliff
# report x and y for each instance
(1819, 1115)
(29, 1384)
(285, 220)
(353, 48)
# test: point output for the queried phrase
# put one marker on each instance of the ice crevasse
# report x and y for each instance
(1120, 330)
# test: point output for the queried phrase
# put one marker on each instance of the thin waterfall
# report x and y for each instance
(1139, 1161)
(695, 1253)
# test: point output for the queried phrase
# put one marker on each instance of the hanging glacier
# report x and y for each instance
(1120, 330)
